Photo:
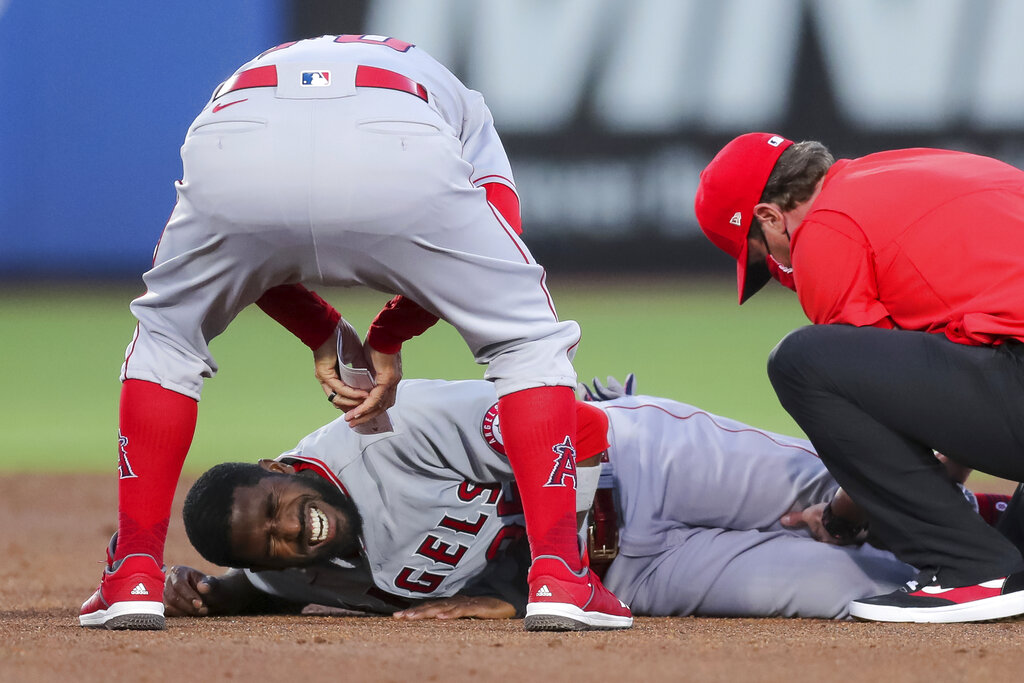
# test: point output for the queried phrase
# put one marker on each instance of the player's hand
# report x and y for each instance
(459, 607)
(812, 519)
(325, 367)
(387, 369)
(614, 389)
(190, 593)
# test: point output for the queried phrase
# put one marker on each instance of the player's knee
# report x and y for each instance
(789, 364)
(545, 359)
(811, 358)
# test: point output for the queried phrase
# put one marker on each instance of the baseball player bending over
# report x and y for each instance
(345, 160)
(392, 523)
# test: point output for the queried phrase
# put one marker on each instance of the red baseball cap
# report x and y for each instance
(729, 189)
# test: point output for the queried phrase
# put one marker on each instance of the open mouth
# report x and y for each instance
(318, 526)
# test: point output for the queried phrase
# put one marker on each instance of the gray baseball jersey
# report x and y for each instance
(699, 498)
(345, 160)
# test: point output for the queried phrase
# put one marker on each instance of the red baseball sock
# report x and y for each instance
(538, 427)
(156, 431)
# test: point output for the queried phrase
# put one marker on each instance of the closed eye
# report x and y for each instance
(271, 513)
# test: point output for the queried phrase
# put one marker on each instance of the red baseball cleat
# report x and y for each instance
(130, 596)
(561, 600)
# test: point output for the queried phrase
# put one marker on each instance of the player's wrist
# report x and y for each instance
(381, 342)
(841, 529)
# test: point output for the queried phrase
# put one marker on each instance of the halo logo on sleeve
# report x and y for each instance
(316, 79)
(492, 430)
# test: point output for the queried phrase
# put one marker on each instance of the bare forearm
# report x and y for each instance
(843, 506)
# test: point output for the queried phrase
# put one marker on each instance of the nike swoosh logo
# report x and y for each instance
(218, 107)
(935, 590)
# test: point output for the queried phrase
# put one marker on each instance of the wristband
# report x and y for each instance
(840, 528)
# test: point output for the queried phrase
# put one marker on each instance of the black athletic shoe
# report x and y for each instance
(923, 600)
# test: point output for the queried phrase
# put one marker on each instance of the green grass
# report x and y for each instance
(62, 347)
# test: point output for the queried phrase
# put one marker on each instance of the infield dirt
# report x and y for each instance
(55, 529)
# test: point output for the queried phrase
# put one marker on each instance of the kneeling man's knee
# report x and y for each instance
(788, 361)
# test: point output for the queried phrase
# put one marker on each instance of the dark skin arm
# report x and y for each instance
(459, 607)
(190, 593)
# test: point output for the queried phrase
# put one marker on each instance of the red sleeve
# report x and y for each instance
(400, 320)
(835, 274)
(506, 202)
(591, 431)
(301, 312)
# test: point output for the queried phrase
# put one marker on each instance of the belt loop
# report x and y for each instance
(260, 77)
(374, 77)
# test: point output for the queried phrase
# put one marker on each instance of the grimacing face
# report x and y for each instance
(292, 520)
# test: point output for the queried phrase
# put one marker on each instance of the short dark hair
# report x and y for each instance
(207, 511)
(796, 174)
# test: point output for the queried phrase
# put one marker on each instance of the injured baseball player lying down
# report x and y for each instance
(686, 518)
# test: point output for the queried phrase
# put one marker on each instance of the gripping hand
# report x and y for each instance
(613, 389)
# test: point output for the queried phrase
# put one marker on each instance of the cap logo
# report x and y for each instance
(737, 219)
(776, 140)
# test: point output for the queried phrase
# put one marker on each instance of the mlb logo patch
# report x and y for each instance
(316, 79)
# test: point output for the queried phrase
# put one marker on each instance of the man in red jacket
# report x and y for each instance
(911, 265)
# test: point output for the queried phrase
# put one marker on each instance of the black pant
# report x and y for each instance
(1011, 522)
(875, 403)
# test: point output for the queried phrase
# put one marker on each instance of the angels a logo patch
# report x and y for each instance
(124, 468)
(492, 430)
(563, 470)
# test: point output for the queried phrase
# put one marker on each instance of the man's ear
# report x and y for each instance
(770, 218)
(275, 466)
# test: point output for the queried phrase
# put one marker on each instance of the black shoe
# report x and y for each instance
(923, 600)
